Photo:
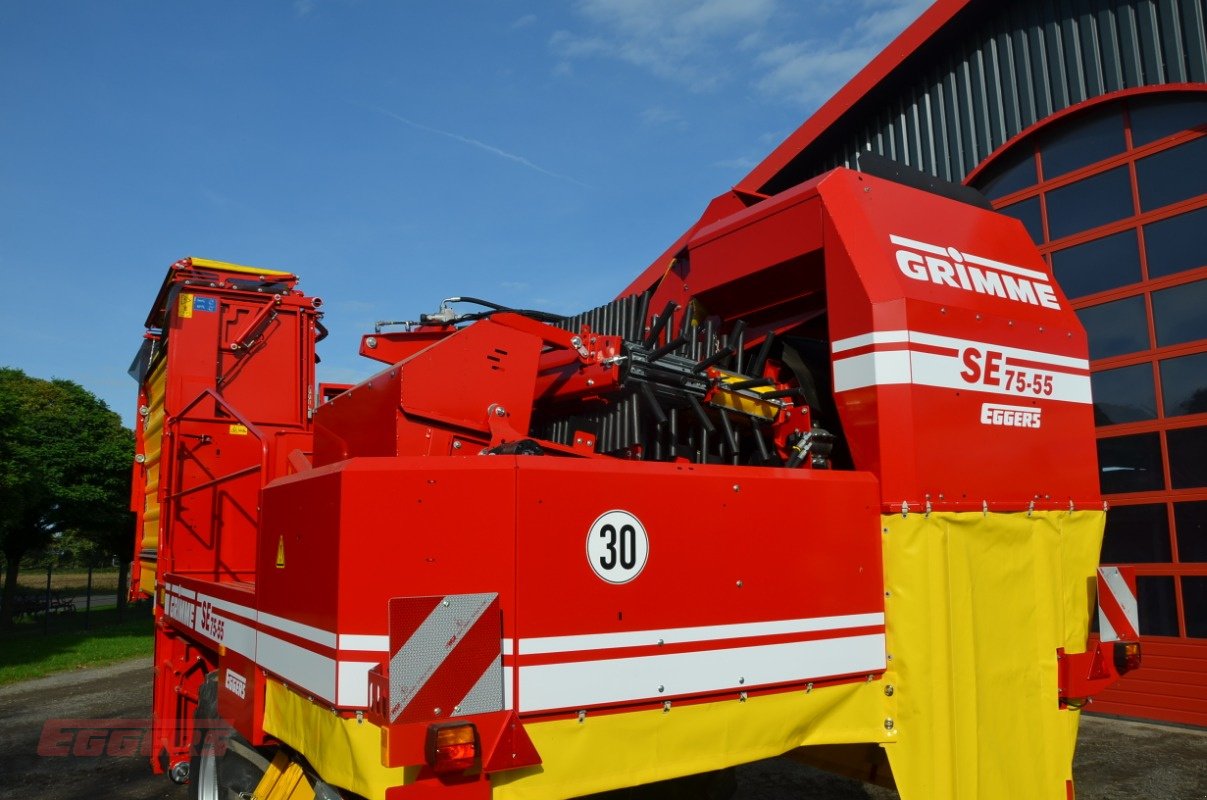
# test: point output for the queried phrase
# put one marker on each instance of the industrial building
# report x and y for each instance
(1087, 121)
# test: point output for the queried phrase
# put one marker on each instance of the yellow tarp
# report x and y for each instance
(343, 751)
(607, 751)
(976, 606)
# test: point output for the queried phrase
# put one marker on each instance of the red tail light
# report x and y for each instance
(1127, 657)
(452, 747)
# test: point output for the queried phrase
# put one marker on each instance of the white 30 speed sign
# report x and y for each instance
(617, 546)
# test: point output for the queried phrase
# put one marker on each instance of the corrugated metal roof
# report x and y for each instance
(969, 76)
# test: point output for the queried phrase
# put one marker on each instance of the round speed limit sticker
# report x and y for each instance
(617, 546)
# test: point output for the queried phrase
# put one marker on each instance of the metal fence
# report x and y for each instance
(54, 599)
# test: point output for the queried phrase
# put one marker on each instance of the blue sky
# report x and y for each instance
(390, 153)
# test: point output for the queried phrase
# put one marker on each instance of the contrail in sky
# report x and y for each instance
(480, 145)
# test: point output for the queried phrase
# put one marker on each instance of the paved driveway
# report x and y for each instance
(1116, 760)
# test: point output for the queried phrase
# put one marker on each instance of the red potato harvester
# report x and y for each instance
(822, 482)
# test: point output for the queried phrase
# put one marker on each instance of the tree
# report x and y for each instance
(64, 464)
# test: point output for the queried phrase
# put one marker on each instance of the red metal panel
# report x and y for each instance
(417, 407)
(339, 520)
(1001, 370)
(361, 532)
(727, 548)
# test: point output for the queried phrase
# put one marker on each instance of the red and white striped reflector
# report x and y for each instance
(446, 657)
(1118, 615)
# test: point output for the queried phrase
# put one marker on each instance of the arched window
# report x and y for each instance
(1114, 192)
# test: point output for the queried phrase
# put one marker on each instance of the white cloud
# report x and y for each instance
(677, 40)
(523, 22)
(704, 45)
(808, 71)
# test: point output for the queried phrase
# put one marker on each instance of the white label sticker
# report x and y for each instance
(236, 684)
(617, 547)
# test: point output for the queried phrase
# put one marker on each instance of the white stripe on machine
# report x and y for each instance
(616, 680)
(924, 359)
(705, 633)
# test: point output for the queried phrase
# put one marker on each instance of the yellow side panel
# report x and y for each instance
(977, 606)
(604, 751)
(612, 750)
(343, 751)
(152, 452)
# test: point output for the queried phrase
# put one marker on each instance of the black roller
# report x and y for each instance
(793, 392)
(714, 359)
(760, 359)
(655, 407)
(660, 322)
(731, 440)
(764, 453)
(701, 414)
(736, 336)
(667, 349)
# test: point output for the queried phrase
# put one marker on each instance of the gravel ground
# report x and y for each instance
(1116, 759)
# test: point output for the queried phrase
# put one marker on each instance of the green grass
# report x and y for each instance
(26, 652)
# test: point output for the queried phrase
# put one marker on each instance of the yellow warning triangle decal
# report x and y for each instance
(281, 553)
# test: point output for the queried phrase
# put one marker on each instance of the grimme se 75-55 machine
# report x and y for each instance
(820, 482)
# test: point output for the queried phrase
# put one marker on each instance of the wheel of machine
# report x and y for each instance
(222, 765)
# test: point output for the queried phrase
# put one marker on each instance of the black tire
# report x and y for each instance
(219, 767)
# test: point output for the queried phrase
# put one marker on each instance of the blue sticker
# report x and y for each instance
(205, 304)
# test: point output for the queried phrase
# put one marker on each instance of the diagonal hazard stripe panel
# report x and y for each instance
(1118, 614)
(445, 653)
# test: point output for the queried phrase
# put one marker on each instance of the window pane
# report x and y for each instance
(1137, 535)
(1157, 117)
(1123, 395)
(1172, 175)
(1028, 213)
(1089, 203)
(1194, 601)
(1187, 464)
(1180, 313)
(1184, 385)
(1013, 171)
(1191, 522)
(1088, 139)
(1106, 263)
(1158, 609)
(1176, 244)
(1130, 463)
(1116, 328)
